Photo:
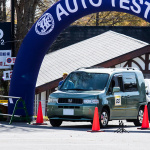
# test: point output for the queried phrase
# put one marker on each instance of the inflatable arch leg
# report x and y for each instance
(47, 28)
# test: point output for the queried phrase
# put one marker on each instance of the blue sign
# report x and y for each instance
(5, 36)
(47, 28)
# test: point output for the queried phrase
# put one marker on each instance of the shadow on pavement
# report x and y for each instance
(5, 127)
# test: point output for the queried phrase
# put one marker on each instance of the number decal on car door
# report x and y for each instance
(117, 100)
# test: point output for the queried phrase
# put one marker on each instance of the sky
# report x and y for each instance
(8, 3)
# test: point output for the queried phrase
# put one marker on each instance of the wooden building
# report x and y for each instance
(109, 49)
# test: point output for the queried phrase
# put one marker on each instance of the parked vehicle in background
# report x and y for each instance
(147, 87)
(119, 93)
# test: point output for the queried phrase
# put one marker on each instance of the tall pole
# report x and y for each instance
(12, 27)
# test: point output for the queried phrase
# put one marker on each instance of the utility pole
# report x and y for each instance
(12, 27)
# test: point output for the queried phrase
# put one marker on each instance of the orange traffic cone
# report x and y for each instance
(39, 120)
(145, 122)
(96, 124)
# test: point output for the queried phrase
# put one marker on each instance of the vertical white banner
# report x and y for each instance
(7, 75)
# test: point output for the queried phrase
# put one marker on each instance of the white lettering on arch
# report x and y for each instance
(122, 2)
(113, 3)
(60, 11)
(83, 3)
(147, 9)
(138, 8)
(75, 6)
(96, 5)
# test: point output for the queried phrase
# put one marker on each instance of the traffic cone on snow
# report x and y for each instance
(96, 124)
(145, 122)
(39, 120)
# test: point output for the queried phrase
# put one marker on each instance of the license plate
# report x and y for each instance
(68, 111)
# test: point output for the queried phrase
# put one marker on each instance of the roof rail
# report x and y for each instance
(131, 68)
(92, 67)
(81, 68)
(127, 68)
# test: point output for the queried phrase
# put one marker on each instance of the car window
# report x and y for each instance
(116, 82)
(85, 81)
(130, 82)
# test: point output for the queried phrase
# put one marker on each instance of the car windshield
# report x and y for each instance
(85, 81)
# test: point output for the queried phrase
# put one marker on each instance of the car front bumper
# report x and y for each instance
(66, 112)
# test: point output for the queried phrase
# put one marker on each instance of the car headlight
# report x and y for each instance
(90, 101)
(52, 100)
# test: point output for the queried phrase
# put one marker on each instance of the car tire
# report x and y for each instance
(55, 122)
(104, 118)
(138, 121)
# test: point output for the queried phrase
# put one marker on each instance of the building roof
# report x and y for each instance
(74, 34)
(87, 53)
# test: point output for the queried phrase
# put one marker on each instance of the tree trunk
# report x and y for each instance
(97, 19)
(25, 12)
(2, 10)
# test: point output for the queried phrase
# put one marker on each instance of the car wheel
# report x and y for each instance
(104, 118)
(55, 122)
(138, 121)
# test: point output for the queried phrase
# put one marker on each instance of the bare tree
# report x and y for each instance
(2, 10)
(110, 18)
(25, 11)
(28, 11)
(43, 5)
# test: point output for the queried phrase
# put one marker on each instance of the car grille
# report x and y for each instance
(69, 107)
(70, 100)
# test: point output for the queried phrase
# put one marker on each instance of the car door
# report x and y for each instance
(117, 99)
(132, 94)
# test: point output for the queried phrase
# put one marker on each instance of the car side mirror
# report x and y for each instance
(116, 89)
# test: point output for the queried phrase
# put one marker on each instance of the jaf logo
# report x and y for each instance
(45, 24)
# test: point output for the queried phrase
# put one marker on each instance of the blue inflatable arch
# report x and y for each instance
(47, 28)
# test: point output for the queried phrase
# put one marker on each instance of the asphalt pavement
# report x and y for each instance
(72, 136)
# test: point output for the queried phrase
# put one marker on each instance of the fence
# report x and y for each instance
(36, 104)
(15, 108)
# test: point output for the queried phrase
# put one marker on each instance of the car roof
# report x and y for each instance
(107, 70)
